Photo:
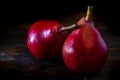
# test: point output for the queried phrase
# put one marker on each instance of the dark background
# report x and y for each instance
(13, 13)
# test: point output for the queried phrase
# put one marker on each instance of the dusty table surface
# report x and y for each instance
(16, 62)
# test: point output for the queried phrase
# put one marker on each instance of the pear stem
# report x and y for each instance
(89, 13)
(68, 27)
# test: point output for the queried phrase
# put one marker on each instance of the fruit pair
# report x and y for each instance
(83, 50)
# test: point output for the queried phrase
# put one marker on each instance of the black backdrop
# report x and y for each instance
(17, 12)
(21, 11)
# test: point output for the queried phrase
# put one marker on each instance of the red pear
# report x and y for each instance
(45, 38)
(84, 50)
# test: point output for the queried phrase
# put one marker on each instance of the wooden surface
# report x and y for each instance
(16, 62)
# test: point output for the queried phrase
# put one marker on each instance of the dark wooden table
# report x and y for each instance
(17, 63)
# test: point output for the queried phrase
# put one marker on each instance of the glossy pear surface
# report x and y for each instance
(44, 39)
(84, 50)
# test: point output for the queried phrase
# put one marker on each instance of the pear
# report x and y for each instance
(84, 50)
(45, 38)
